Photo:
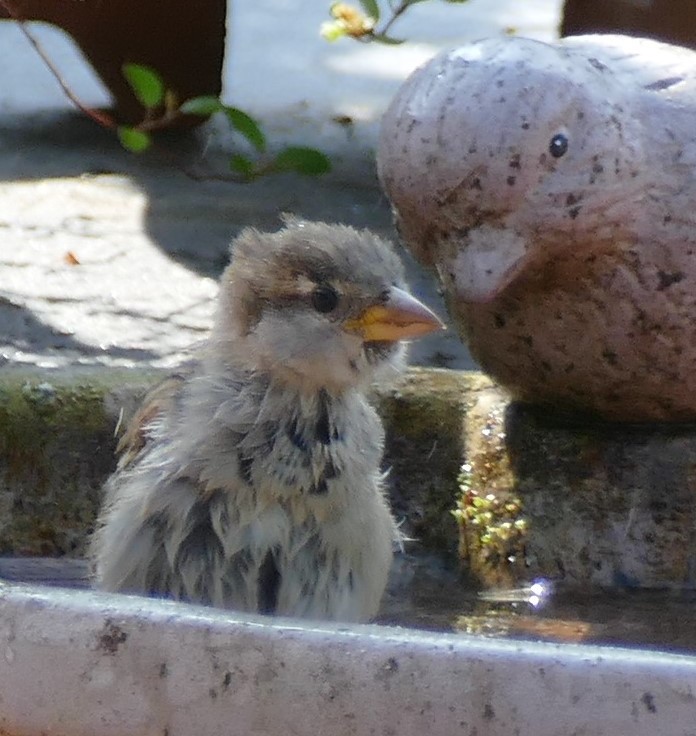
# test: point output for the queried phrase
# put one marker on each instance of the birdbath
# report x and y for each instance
(552, 187)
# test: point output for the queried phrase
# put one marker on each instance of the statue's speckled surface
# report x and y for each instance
(553, 187)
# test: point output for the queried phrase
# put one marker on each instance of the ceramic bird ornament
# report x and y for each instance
(253, 481)
(553, 188)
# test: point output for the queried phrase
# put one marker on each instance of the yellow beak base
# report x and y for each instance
(402, 317)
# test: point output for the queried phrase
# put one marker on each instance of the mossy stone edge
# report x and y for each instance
(583, 503)
(57, 441)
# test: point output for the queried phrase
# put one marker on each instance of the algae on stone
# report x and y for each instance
(56, 448)
(575, 500)
(488, 510)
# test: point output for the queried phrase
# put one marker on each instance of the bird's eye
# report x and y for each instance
(558, 145)
(324, 298)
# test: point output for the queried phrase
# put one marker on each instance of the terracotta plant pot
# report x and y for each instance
(665, 20)
(183, 41)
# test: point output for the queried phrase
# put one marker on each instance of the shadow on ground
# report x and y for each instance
(18, 322)
(191, 221)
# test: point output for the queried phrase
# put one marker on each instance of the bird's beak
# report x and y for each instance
(401, 317)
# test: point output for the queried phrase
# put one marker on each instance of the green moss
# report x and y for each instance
(56, 446)
(31, 414)
(492, 526)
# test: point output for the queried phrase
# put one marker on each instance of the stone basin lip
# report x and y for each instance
(57, 442)
(112, 664)
(579, 505)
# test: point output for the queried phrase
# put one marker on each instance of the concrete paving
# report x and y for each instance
(110, 259)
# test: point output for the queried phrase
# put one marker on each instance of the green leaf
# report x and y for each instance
(246, 126)
(146, 83)
(135, 141)
(371, 8)
(204, 106)
(242, 165)
(303, 160)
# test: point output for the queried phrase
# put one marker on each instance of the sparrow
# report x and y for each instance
(252, 480)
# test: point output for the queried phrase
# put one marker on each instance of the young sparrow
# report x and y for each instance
(254, 482)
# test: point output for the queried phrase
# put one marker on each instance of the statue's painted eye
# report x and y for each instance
(558, 145)
(324, 298)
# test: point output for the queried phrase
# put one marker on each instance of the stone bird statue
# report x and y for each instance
(253, 482)
(552, 186)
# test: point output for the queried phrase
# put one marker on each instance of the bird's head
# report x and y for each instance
(316, 306)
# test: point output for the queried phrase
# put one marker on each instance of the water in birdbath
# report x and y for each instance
(422, 595)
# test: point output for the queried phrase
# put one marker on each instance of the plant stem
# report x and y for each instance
(97, 116)
(396, 13)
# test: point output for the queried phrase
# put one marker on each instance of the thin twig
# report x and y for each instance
(97, 116)
(149, 124)
(400, 9)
